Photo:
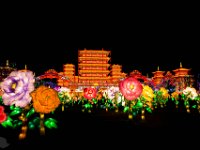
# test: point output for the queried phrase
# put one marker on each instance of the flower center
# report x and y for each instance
(90, 91)
(13, 86)
(131, 86)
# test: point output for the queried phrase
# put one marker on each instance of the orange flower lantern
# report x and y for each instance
(45, 100)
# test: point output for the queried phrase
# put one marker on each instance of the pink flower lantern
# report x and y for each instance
(131, 88)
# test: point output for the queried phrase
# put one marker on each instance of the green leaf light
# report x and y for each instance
(7, 123)
(139, 104)
(149, 109)
(126, 109)
(16, 111)
(50, 123)
(30, 112)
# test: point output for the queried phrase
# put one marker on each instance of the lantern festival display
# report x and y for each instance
(27, 103)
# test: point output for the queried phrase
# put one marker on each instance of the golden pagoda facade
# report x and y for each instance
(116, 74)
(69, 71)
(62, 82)
(158, 76)
(68, 74)
(93, 67)
(182, 77)
(181, 72)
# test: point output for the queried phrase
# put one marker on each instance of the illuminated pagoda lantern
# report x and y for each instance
(6, 70)
(168, 75)
(158, 76)
(116, 74)
(183, 79)
(69, 80)
(51, 74)
(60, 81)
(123, 75)
(93, 67)
(138, 75)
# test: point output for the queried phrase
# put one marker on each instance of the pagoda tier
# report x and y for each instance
(80, 65)
(183, 79)
(94, 75)
(93, 67)
(116, 73)
(138, 75)
(69, 70)
(181, 72)
(93, 53)
(94, 61)
(158, 76)
(69, 74)
(93, 78)
(94, 58)
(94, 71)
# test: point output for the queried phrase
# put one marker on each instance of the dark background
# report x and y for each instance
(165, 50)
(141, 39)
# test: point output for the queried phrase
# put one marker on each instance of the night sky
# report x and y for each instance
(142, 41)
(141, 54)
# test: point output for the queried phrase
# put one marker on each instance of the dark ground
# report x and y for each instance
(165, 127)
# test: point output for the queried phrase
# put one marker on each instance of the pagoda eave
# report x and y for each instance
(181, 69)
(158, 72)
(83, 64)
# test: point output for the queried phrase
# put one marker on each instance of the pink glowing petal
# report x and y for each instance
(130, 94)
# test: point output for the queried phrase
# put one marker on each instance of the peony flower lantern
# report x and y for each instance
(17, 87)
(131, 88)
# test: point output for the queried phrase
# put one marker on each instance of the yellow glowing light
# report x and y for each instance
(142, 117)
(131, 86)
(130, 116)
(13, 85)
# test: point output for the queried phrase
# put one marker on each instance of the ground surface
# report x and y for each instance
(167, 127)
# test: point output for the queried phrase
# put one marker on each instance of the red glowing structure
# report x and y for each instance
(116, 74)
(138, 75)
(69, 74)
(182, 77)
(94, 69)
(51, 74)
(158, 76)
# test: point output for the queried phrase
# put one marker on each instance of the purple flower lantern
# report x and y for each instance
(17, 87)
